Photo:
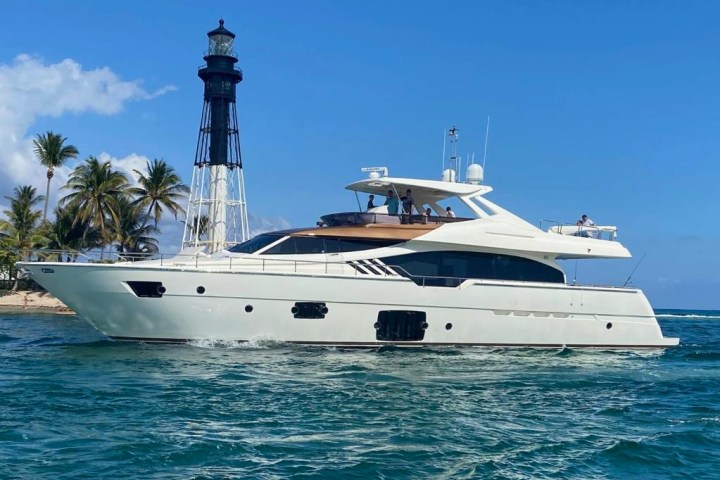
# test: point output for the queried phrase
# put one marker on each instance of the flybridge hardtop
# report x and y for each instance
(488, 227)
(431, 189)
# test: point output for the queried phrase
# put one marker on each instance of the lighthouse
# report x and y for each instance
(217, 209)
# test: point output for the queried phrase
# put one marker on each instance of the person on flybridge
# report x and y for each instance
(407, 206)
(392, 203)
(371, 202)
(585, 232)
(426, 215)
(449, 212)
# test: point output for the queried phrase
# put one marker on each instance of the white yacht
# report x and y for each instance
(373, 278)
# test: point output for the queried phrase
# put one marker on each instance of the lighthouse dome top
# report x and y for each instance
(221, 41)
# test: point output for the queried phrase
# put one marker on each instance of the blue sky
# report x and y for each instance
(605, 108)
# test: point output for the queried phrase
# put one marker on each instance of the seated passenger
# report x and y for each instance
(449, 213)
(585, 232)
(371, 203)
(586, 221)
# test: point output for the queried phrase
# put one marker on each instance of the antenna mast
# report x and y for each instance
(454, 134)
(443, 154)
(487, 134)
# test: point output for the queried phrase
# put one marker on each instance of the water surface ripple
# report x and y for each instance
(75, 405)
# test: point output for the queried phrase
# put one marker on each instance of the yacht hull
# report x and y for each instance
(247, 306)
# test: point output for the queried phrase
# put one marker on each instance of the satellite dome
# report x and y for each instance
(474, 174)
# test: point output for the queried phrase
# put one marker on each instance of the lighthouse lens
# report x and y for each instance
(221, 45)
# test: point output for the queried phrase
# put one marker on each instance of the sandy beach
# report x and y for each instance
(38, 301)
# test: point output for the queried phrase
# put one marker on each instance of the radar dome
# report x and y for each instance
(474, 174)
(448, 175)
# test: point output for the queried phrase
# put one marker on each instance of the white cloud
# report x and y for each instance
(127, 165)
(30, 88)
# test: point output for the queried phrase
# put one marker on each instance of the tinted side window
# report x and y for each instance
(286, 247)
(255, 244)
(303, 245)
(310, 245)
(332, 245)
(463, 265)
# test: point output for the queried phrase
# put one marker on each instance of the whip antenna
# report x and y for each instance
(487, 134)
(634, 269)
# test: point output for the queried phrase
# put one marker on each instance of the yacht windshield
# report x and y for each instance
(255, 243)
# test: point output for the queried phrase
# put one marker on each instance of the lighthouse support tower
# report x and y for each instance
(217, 210)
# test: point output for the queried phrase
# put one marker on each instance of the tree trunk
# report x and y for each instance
(47, 196)
(147, 216)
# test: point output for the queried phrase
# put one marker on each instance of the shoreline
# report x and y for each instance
(39, 302)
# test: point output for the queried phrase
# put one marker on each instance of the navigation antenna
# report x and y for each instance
(634, 269)
(443, 154)
(487, 134)
(454, 134)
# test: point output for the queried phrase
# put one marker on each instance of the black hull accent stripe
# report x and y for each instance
(402, 344)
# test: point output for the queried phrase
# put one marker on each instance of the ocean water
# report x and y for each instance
(76, 406)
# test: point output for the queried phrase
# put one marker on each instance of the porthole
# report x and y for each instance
(200, 290)
(448, 326)
(377, 325)
(294, 310)
(424, 325)
(248, 308)
(161, 290)
(608, 326)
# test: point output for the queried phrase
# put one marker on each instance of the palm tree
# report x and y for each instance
(161, 187)
(21, 224)
(65, 234)
(130, 231)
(52, 152)
(96, 189)
(200, 227)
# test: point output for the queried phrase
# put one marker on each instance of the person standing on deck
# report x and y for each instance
(392, 203)
(408, 202)
(371, 202)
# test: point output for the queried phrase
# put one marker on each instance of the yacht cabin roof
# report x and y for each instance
(426, 189)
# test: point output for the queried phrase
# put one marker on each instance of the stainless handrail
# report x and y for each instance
(592, 231)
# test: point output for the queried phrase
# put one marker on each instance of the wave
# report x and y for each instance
(688, 315)
(702, 355)
(6, 338)
(260, 343)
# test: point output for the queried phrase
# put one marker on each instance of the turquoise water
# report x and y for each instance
(74, 405)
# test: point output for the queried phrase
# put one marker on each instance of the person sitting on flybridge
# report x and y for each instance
(585, 232)
(371, 202)
(449, 212)
(426, 215)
